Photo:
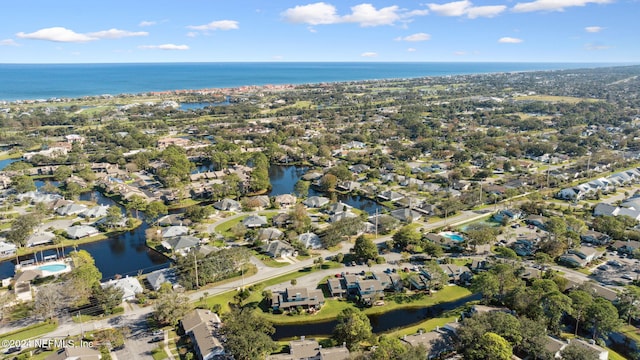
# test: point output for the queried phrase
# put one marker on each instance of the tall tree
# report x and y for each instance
(154, 210)
(576, 352)
(365, 249)
(170, 307)
(48, 301)
(108, 297)
(301, 188)
(23, 183)
(353, 327)
(84, 276)
(581, 300)
(247, 336)
(495, 347)
(602, 316)
(21, 228)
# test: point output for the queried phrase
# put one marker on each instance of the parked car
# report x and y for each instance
(156, 339)
(627, 277)
(12, 350)
(603, 267)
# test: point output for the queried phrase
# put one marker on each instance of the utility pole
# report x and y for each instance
(195, 263)
(376, 223)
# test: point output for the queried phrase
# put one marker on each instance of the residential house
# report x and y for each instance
(294, 297)
(254, 221)
(270, 234)
(555, 347)
(602, 209)
(258, 202)
(277, 249)
(507, 215)
(536, 220)
(457, 273)
(406, 215)
(75, 353)
(343, 215)
(390, 196)
(336, 287)
(130, 286)
(95, 212)
(40, 238)
(310, 240)
(316, 201)
(180, 244)
(22, 284)
(159, 277)
(369, 290)
(581, 256)
(348, 185)
(309, 349)
(445, 242)
(285, 200)
(7, 249)
(173, 231)
(227, 205)
(436, 343)
(338, 208)
(626, 247)
(202, 326)
(595, 237)
(281, 220)
(81, 231)
(71, 209)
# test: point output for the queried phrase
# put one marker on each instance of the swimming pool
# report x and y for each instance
(53, 268)
(452, 235)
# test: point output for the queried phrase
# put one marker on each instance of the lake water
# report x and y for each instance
(380, 323)
(284, 178)
(125, 254)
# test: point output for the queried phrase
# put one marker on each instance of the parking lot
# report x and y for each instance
(616, 270)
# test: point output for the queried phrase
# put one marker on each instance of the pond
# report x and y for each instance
(284, 178)
(380, 323)
(4, 163)
(124, 254)
(203, 104)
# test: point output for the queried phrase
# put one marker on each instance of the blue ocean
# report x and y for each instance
(44, 81)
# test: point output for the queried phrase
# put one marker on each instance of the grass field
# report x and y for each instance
(552, 98)
(30, 331)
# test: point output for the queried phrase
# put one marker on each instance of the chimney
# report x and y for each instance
(420, 331)
(302, 337)
(344, 344)
(320, 347)
(437, 328)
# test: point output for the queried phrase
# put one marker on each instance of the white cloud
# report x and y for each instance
(412, 50)
(216, 25)
(312, 14)
(554, 5)
(277, 57)
(8, 42)
(460, 53)
(456, 8)
(147, 23)
(312, 29)
(192, 34)
(466, 8)
(116, 34)
(509, 40)
(415, 37)
(165, 47)
(596, 47)
(369, 54)
(365, 15)
(57, 34)
(485, 11)
(593, 29)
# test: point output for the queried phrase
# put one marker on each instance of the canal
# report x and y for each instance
(380, 323)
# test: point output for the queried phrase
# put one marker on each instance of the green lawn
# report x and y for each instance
(225, 228)
(30, 331)
(332, 307)
(159, 353)
(225, 298)
(631, 332)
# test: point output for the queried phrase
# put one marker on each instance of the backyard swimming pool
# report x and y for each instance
(452, 235)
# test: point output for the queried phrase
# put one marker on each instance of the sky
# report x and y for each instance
(117, 31)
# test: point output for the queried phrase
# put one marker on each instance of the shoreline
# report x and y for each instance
(276, 82)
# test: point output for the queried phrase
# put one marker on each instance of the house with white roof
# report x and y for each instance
(129, 285)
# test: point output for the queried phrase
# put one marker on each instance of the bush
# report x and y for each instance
(380, 260)
(118, 310)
